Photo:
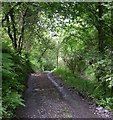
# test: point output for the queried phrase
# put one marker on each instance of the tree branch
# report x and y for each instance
(42, 54)
(10, 11)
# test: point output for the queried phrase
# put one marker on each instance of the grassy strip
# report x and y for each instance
(87, 87)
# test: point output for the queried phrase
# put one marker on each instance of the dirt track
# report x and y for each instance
(44, 100)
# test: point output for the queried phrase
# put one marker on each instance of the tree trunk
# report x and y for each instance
(14, 29)
(112, 46)
(100, 28)
(20, 42)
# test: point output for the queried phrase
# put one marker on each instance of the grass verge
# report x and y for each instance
(89, 88)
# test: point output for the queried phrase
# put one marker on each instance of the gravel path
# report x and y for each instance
(46, 98)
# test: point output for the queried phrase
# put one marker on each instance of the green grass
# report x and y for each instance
(89, 88)
(80, 84)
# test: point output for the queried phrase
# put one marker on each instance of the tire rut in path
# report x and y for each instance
(43, 100)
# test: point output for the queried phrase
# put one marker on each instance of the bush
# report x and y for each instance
(14, 73)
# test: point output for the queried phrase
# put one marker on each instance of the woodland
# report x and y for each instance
(72, 39)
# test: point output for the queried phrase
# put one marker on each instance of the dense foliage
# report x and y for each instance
(75, 36)
(15, 70)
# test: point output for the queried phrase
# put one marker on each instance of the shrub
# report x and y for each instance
(14, 73)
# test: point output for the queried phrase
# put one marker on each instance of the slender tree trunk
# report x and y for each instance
(14, 29)
(112, 46)
(9, 30)
(100, 28)
(20, 42)
(57, 58)
(42, 54)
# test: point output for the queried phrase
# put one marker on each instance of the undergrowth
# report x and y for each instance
(15, 70)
